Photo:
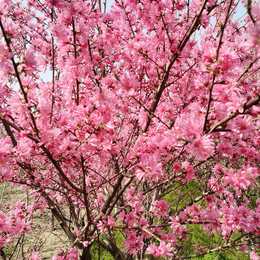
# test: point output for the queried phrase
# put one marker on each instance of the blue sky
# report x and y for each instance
(109, 3)
(241, 9)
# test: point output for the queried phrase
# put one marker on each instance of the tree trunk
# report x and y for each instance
(85, 254)
(118, 256)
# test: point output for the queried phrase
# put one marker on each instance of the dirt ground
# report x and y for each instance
(46, 236)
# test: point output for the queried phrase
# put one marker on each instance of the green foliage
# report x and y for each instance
(197, 235)
(8, 251)
(100, 253)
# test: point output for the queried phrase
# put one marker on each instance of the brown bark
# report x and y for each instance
(85, 254)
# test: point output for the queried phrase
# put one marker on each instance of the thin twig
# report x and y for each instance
(166, 74)
(75, 56)
(7, 40)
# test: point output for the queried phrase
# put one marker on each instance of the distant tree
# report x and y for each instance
(147, 131)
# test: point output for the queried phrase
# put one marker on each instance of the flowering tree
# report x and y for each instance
(147, 130)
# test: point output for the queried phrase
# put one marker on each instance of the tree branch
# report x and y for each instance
(231, 116)
(163, 81)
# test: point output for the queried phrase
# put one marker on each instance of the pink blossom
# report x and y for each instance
(142, 118)
(190, 125)
(196, 208)
(34, 256)
(72, 254)
(165, 250)
(177, 167)
(130, 218)
(254, 256)
(202, 147)
(253, 40)
(101, 227)
(85, 243)
(3, 8)
(111, 221)
(235, 105)
(29, 60)
(5, 144)
(256, 9)
(243, 248)
(210, 201)
(140, 174)
(133, 243)
(52, 3)
(160, 208)
(152, 249)
(140, 121)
